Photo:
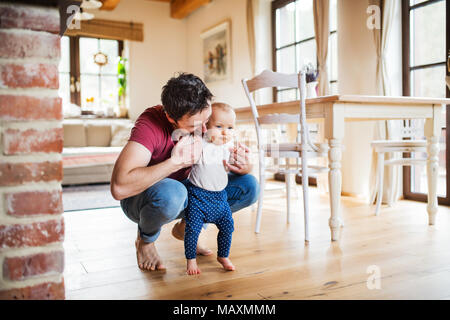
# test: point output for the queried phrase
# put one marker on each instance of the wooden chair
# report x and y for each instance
(303, 149)
(381, 147)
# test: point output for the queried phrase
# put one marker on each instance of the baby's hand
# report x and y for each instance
(239, 161)
(225, 164)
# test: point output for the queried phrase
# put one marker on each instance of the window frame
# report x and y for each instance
(74, 51)
(277, 4)
(407, 69)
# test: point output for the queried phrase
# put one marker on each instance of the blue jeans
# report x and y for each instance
(166, 200)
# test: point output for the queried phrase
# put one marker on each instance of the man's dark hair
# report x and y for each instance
(185, 94)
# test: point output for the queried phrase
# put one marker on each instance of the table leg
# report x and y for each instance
(432, 130)
(334, 132)
(335, 185)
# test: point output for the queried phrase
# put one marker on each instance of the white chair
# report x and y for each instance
(303, 149)
(381, 147)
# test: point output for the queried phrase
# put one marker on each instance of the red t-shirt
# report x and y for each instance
(154, 131)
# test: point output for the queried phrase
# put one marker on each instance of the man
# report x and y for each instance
(150, 174)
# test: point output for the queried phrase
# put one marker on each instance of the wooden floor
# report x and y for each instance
(412, 257)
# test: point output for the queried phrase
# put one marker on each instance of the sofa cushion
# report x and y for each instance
(74, 135)
(121, 134)
(98, 135)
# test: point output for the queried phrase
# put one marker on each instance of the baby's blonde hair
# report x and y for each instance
(223, 106)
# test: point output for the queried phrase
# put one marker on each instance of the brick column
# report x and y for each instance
(31, 223)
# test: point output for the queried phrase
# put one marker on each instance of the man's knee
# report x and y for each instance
(169, 197)
(251, 187)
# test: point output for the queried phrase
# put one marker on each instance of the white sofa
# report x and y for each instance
(91, 148)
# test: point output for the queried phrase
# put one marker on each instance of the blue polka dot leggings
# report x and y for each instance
(207, 207)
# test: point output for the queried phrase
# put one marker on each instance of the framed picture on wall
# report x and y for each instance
(216, 53)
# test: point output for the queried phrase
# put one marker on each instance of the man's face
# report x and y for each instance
(193, 123)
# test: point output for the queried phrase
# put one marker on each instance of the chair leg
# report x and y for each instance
(374, 193)
(305, 186)
(262, 183)
(380, 171)
(287, 179)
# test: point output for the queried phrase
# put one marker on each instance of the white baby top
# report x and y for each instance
(209, 172)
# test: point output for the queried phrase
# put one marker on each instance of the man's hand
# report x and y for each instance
(239, 161)
(187, 151)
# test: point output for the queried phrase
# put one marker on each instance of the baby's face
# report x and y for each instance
(221, 126)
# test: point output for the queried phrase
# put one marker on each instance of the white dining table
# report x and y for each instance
(336, 109)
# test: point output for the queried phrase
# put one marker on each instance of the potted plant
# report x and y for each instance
(122, 80)
(312, 74)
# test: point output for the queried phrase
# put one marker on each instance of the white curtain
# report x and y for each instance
(321, 9)
(386, 130)
(322, 29)
(251, 34)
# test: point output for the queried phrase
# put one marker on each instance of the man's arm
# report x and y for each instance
(131, 175)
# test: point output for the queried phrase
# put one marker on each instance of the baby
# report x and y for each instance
(206, 189)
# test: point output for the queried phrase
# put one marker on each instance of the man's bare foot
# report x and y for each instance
(147, 256)
(192, 267)
(178, 230)
(226, 263)
(178, 233)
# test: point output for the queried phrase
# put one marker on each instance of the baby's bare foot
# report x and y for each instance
(178, 233)
(192, 267)
(226, 263)
(203, 251)
(147, 256)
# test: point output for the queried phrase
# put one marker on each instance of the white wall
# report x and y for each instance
(217, 11)
(357, 75)
(158, 57)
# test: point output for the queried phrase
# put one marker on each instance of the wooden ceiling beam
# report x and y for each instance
(180, 9)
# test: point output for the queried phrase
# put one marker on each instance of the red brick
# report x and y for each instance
(44, 291)
(31, 235)
(29, 17)
(29, 203)
(31, 140)
(12, 174)
(22, 268)
(29, 75)
(30, 108)
(29, 45)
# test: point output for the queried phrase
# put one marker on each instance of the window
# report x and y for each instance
(425, 48)
(295, 43)
(88, 73)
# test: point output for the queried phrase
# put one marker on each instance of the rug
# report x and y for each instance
(85, 197)
(72, 161)
(98, 196)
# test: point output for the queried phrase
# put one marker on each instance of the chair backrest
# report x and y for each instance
(269, 79)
